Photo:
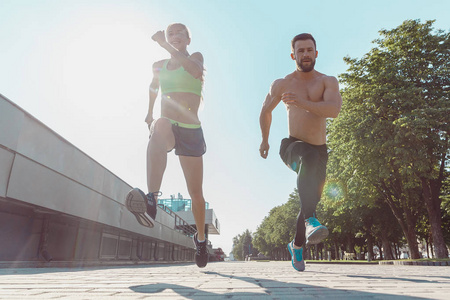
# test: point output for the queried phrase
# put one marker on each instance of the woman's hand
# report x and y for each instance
(159, 37)
(149, 119)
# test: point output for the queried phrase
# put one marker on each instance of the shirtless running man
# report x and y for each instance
(310, 98)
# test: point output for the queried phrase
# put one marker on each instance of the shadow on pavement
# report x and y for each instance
(399, 278)
(48, 270)
(266, 289)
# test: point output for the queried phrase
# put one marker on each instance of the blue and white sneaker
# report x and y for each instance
(315, 232)
(296, 257)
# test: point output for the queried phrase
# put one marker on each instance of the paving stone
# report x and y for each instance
(228, 280)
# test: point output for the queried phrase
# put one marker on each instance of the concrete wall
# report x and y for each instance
(40, 169)
(211, 220)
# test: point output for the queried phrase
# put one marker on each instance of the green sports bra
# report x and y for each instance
(178, 80)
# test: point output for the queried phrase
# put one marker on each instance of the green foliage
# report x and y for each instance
(392, 133)
(243, 246)
(397, 101)
(278, 228)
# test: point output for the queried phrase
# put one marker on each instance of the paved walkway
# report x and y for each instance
(228, 280)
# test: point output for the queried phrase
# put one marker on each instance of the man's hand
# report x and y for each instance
(264, 149)
(159, 37)
(289, 98)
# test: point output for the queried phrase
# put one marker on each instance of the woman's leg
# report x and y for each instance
(161, 141)
(193, 173)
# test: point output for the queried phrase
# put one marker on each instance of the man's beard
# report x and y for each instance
(307, 68)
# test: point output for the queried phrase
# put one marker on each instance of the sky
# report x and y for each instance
(83, 68)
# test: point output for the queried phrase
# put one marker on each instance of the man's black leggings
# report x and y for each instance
(309, 162)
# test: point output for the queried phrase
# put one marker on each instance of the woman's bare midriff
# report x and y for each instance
(181, 107)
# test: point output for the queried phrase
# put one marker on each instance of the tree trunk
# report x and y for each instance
(411, 236)
(350, 243)
(307, 253)
(369, 247)
(336, 251)
(406, 222)
(386, 246)
(380, 248)
(431, 191)
(408, 228)
(413, 246)
(404, 217)
(432, 250)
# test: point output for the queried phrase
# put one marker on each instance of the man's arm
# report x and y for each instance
(265, 118)
(153, 91)
(328, 108)
(193, 64)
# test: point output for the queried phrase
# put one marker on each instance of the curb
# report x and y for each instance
(83, 264)
(339, 263)
(415, 263)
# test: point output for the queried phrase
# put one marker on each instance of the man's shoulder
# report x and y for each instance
(330, 80)
(277, 82)
(277, 86)
(282, 81)
(326, 80)
(325, 77)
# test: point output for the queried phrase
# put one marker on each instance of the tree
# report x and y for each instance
(243, 246)
(278, 228)
(446, 210)
(391, 136)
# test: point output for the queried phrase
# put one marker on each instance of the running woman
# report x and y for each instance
(180, 79)
(310, 98)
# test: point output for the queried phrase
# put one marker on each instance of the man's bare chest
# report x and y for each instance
(311, 91)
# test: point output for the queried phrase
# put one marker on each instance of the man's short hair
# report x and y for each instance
(303, 37)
